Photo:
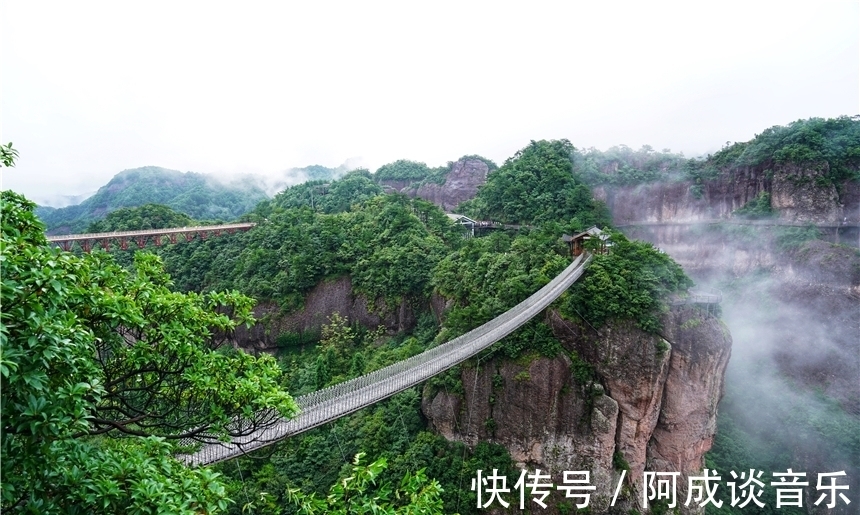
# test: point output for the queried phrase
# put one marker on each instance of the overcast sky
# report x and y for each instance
(92, 88)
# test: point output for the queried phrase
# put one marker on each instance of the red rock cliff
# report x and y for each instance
(653, 404)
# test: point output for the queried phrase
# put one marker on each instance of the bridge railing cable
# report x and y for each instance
(333, 402)
(391, 370)
(149, 232)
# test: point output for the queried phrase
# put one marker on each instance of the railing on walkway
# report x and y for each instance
(331, 403)
(141, 237)
(707, 300)
(699, 297)
(768, 222)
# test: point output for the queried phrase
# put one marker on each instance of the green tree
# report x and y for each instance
(536, 186)
(624, 166)
(759, 207)
(91, 350)
(401, 170)
(632, 281)
(8, 155)
(148, 216)
(359, 493)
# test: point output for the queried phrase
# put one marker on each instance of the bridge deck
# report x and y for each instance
(336, 401)
(149, 232)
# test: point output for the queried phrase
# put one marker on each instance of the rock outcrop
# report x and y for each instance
(325, 299)
(461, 184)
(798, 193)
(791, 300)
(650, 405)
(693, 387)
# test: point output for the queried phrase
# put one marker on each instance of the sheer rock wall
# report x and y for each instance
(653, 404)
(461, 184)
(325, 299)
(800, 193)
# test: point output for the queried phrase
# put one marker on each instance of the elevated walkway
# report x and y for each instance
(336, 401)
(87, 240)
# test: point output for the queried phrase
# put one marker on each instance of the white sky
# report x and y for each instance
(92, 88)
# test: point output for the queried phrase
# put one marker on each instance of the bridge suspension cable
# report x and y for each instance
(328, 404)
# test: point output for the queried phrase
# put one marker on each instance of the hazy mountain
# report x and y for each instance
(197, 195)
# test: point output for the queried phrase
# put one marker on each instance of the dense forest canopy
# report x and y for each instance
(623, 165)
(324, 197)
(832, 140)
(417, 174)
(147, 216)
(537, 186)
(401, 170)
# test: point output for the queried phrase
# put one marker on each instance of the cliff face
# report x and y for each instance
(795, 301)
(791, 303)
(652, 402)
(461, 184)
(800, 193)
(327, 298)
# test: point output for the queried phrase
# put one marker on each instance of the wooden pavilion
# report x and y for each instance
(577, 241)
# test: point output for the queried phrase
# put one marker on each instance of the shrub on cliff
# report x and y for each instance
(632, 281)
(759, 207)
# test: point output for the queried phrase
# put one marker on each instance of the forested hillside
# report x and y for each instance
(195, 195)
(403, 256)
(400, 253)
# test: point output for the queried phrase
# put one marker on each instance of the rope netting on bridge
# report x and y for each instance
(336, 401)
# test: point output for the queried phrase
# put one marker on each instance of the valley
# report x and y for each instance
(620, 376)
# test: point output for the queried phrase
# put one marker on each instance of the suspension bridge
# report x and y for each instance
(336, 401)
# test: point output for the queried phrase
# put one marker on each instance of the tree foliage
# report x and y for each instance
(387, 244)
(321, 173)
(536, 186)
(835, 141)
(814, 139)
(91, 349)
(401, 170)
(147, 216)
(196, 195)
(622, 165)
(324, 197)
(632, 281)
(759, 207)
(489, 275)
(8, 155)
(359, 493)
(419, 173)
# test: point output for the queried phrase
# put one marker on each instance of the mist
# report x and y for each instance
(792, 389)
